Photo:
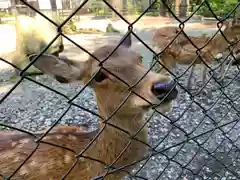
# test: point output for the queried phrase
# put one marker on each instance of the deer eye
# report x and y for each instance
(99, 77)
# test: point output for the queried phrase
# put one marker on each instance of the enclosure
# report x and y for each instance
(199, 139)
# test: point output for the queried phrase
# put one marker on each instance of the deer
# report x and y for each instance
(234, 48)
(234, 56)
(181, 51)
(33, 34)
(176, 52)
(112, 147)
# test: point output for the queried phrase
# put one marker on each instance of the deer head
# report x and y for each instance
(114, 78)
(232, 29)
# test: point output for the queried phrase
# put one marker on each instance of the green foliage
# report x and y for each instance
(134, 8)
(99, 8)
(5, 14)
(154, 11)
(98, 11)
(220, 7)
(159, 6)
(69, 28)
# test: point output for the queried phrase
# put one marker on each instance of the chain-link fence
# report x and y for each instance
(198, 139)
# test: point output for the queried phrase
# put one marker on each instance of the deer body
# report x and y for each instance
(180, 51)
(58, 161)
(122, 140)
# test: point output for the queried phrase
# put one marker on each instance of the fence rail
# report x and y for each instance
(198, 140)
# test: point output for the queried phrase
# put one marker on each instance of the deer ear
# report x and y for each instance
(128, 41)
(61, 69)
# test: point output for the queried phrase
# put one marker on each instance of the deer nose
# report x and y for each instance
(161, 89)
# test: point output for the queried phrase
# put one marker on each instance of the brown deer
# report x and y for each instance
(51, 162)
(181, 51)
(235, 49)
(235, 41)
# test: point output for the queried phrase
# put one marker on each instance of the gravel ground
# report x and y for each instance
(32, 107)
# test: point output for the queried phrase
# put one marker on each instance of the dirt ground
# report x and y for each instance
(160, 21)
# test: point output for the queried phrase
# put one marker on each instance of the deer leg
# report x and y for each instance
(189, 84)
(204, 91)
(174, 67)
(224, 70)
(203, 73)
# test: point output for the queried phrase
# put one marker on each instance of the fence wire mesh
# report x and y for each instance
(198, 140)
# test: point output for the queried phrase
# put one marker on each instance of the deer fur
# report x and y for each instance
(237, 54)
(32, 36)
(181, 51)
(50, 162)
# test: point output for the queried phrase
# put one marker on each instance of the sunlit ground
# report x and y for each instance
(7, 36)
(92, 41)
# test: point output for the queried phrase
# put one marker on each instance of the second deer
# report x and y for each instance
(123, 138)
(181, 51)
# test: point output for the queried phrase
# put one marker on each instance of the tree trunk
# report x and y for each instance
(117, 5)
(53, 5)
(54, 13)
(164, 9)
(124, 5)
(177, 6)
(183, 8)
(34, 4)
(145, 4)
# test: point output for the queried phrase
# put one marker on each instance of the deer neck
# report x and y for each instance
(112, 141)
(125, 119)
